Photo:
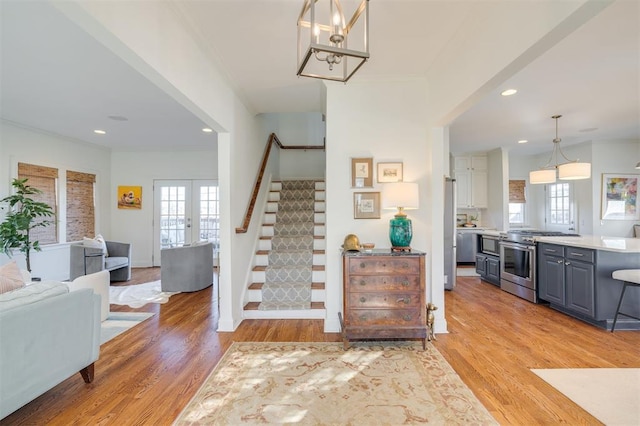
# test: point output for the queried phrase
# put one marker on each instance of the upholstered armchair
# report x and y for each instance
(187, 268)
(88, 260)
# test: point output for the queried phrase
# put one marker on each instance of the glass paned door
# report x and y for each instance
(186, 211)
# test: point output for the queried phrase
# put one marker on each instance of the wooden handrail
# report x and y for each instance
(256, 188)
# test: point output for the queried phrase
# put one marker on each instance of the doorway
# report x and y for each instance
(185, 211)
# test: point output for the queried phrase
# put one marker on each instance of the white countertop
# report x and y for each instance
(471, 228)
(625, 245)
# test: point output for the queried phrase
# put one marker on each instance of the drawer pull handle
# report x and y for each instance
(407, 317)
(363, 317)
(405, 283)
(363, 299)
(363, 282)
(559, 261)
(405, 300)
(405, 265)
(362, 265)
(384, 265)
(577, 254)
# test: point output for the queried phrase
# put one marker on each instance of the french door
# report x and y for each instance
(185, 211)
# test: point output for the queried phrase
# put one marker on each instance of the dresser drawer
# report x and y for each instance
(384, 265)
(390, 317)
(384, 300)
(406, 283)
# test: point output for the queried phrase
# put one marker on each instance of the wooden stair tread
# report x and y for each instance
(314, 286)
(254, 306)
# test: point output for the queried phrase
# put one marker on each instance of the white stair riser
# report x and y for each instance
(316, 295)
(318, 244)
(293, 314)
(316, 276)
(263, 259)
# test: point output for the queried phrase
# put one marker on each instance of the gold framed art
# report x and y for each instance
(362, 172)
(389, 172)
(366, 205)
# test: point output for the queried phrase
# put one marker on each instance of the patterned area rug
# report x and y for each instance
(383, 383)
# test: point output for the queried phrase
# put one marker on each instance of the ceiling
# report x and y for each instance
(56, 77)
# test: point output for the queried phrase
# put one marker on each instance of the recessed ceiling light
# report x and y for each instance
(523, 141)
(509, 92)
(207, 130)
(100, 132)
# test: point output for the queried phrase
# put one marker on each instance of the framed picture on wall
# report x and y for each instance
(130, 197)
(620, 197)
(389, 172)
(366, 205)
(362, 172)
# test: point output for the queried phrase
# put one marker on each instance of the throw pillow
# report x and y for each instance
(97, 242)
(10, 277)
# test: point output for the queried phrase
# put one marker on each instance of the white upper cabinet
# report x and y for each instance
(471, 177)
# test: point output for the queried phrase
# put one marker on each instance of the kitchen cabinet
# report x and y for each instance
(384, 295)
(566, 278)
(488, 267)
(471, 177)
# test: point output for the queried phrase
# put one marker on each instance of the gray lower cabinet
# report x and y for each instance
(578, 282)
(488, 267)
(566, 278)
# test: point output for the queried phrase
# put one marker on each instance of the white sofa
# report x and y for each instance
(99, 283)
(48, 334)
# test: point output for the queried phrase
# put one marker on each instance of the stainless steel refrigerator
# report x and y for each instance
(449, 233)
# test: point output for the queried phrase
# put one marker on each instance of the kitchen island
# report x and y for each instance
(574, 277)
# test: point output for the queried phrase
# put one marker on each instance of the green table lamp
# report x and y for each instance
(402, 196)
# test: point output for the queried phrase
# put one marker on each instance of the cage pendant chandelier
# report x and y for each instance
(329, 46)
(568, 170)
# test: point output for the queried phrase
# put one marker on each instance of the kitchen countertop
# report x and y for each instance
(619, 244)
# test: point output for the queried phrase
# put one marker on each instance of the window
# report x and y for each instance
(80, 205)
(559, 198)
(46, 180)
(517, 202)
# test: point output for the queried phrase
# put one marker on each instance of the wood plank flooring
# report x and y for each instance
(149, 373)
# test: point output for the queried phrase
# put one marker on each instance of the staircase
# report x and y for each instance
(288, 279)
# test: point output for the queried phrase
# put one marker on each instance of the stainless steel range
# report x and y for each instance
(518, 261)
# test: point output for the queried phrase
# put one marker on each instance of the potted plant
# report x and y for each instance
(23, 216)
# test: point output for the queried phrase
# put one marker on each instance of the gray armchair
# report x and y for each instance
(187, 268)
(88, 260)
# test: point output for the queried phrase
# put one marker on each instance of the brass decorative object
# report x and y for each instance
(351, 243)
(431, 318)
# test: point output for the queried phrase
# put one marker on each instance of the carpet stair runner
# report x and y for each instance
(288, 279)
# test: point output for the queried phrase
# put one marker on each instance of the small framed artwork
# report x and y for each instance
(620, 197)
(130, 197)
(362, 172)
(366, 205)
(389, 172)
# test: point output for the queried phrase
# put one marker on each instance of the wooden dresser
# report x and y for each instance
(384, 296)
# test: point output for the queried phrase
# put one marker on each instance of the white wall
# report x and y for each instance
(384, 121)
(141, 168)
(21, 144)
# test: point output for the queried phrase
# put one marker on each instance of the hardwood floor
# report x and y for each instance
(149, 373)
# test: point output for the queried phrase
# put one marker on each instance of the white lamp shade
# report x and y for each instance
(400, 194)
(542, 176)
(574, 171)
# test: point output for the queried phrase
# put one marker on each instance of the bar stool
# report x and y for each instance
(629, 277)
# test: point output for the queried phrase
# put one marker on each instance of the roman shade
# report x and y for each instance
(80, 205)
(45, 179)
(516, 191)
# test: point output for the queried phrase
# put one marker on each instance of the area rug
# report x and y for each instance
(386, 383)
(138, 295)
(119, 322)
(611, 395)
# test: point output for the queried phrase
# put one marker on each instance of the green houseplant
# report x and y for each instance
(23, 216)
